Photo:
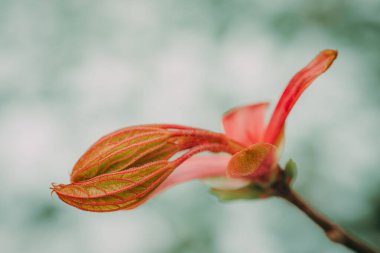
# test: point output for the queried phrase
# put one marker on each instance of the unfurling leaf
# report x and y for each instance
(122, 169)
(117, 151)
(117, 190)
(255, 161)
(136, 146)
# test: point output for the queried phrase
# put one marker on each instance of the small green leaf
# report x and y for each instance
(290, 171)
(252, 191)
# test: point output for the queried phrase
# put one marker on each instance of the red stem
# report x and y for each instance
(213, 147)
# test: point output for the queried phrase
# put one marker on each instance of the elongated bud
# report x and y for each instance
(117, 151)
(135, 146)
(124, 189)
(121, 170)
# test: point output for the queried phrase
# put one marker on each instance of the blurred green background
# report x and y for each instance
(72, 71)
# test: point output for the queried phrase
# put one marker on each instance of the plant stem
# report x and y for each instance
(334, 232)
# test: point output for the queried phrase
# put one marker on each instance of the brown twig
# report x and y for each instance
(334, 232)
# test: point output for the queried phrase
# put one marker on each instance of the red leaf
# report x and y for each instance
(246, 124)
(293, 91)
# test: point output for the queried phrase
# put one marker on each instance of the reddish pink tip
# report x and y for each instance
(246, 124)
(295, 88)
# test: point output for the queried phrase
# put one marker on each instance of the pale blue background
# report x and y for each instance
(72, 71)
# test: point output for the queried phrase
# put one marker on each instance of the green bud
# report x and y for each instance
(290, 171)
